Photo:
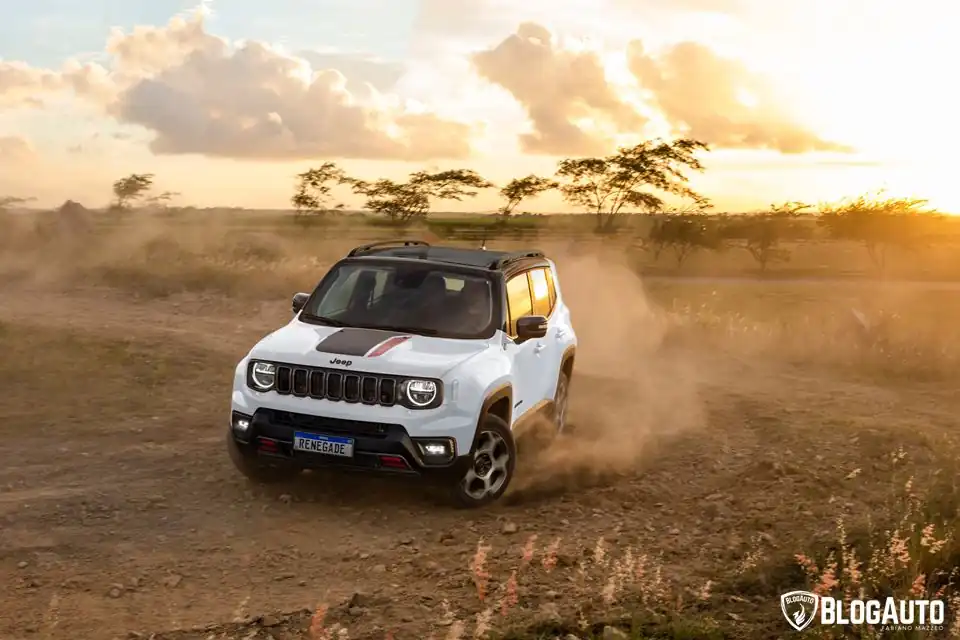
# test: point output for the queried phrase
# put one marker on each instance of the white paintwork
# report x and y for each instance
(471, 370)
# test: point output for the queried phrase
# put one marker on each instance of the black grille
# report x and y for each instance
(338, 386)
(276, 424)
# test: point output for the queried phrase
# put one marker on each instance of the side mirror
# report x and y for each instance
(299, 299)
(531, 327)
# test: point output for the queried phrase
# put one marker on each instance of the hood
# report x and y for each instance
(370, 350)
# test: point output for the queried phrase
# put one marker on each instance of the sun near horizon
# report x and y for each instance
(808, 101)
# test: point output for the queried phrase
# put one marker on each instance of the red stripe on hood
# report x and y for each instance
(386, 345)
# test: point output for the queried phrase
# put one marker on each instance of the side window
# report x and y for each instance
(542, 305)
(550, 287)
(518, 300)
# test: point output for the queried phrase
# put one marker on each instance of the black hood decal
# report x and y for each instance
(355, 342)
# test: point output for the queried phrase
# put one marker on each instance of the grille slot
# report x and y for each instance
(300, 385)
(351, 388)
(368, 390)
(316, 384)
(336, 385)
(388, 392)
(283, 380)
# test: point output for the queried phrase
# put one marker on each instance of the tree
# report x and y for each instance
(405, 201)
(878, 222)
(314, 188)
(605, 186)
(130, 189)
(762, 233)
(162, 200)
(519, 189)
(7, 202)
(662, 233)
(684, 232)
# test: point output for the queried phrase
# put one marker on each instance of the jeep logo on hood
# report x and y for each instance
(345, 363)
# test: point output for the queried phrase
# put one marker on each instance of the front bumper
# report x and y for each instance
(377, 446)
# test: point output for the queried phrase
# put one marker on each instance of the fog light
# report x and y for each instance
(437, 451)
(241, 423)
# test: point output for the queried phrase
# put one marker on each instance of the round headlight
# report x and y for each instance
(263, 375)
(421, 392)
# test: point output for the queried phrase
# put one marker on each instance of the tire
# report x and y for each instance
(255, 469)
(560, 401)
(493, 450)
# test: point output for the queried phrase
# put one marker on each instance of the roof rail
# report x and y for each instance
(368, 248)
(503, 261)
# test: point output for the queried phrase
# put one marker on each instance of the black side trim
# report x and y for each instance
(354, 341)
(506, 391)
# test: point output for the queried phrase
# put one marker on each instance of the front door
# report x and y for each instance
(528, 356)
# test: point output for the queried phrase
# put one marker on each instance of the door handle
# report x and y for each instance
(540, 347)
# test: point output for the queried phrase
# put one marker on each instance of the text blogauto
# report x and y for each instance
(890, 613)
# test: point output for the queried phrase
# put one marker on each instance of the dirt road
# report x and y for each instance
(120, 511)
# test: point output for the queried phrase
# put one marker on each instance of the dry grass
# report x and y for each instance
(908, 552)
(910, 331)
(907, 332)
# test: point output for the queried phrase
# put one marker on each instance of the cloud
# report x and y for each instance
(556, 87)
(251, 101)
(199, 94)
(15, 149)
(20, 83)
(149, 49)
(719, 101)
(255, 103)
(24, 86)
(361, 71)
(191, 92)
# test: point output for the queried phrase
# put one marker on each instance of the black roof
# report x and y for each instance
(415, 249)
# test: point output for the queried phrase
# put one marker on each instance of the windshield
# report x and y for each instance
(417, 298)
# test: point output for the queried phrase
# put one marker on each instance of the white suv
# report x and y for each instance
(408, 359)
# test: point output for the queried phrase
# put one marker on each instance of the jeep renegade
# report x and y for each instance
(409, 359)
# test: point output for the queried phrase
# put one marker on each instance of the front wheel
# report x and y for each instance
(257, 470)
(491, 465)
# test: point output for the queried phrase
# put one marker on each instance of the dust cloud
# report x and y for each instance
(627, 391)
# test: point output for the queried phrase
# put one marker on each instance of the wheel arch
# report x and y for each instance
(567, 360)
(498, 402)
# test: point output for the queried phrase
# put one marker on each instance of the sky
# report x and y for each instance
(225, 101)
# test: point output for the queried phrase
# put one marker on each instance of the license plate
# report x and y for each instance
(327, 445)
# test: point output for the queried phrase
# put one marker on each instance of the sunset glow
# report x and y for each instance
(799, 100)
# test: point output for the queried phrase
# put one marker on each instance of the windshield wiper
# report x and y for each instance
(324, 320)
